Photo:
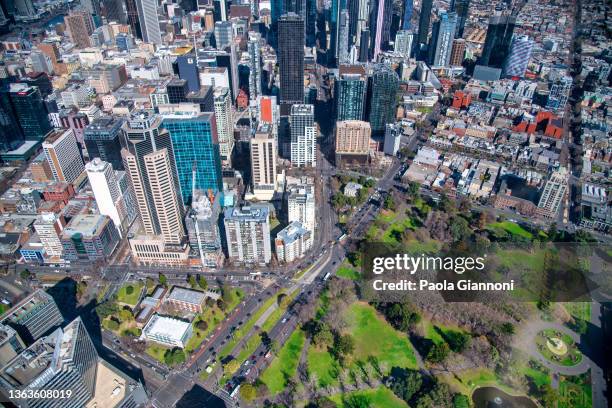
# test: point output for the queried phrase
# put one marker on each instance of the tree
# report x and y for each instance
(129, 290)
(344, 345)
(389, 203)
(202, 282)
(125, 315)
(459, 228)
(231, 367)
(174, 356)
(549, 396)
(106, 309)
(280, 298)
(265, 339)
(221, 304)
(405, 383)
(247, 392)
(112, 324)
(25, 274)
(414, 189)
(323, 337)
(162, 279)
(202, 325)
(457, 341)
(507, 328)
(401, 316)
(461, 401)
(192, 281)
(150, 283)
(438, 353)
(81, 289)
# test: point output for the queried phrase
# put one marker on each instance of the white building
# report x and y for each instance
(149, 21)
(49, 227)
(63, 156)
(292, 242)
(247, 232)
(167, 331)
(393, 137)
(263, 163)
(301, 205)
(225, 124)
(303, 136)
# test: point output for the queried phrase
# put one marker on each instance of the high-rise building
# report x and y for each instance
(291, 59)
(41, 62)
(177, 90)
(103, 140)
(518, 58)
(393, 138)
(404, 41)
(224, 34)
(424, 19)
(132, 17)
(111, 199)
(24, 8)
(224, 117)
(64, 360)
(343, 38)
(263, 162)
(202, 223)
(497, 42)
(114, 11)
(34, 316)
(301, 205)
(187, 67)
(247, 233)
(30, 111)
(352, 142)
(553, 194)
(407, 16)
(292, 242)
(559, 93)
(196, 151)
(90, 237)
(149, 21)
(11, 135)
(80, 26)
(63, 155)
(303, 136)
(10, 343)
(442, 35)
(380, 26)
(383, 88)
(350, 93)
(48, 227)
(458, 52)
(462, 8)
(149, 160)
(255, 78)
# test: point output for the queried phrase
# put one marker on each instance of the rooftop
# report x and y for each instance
(87, 225)
(187, 295)
(247, 213)
(292, 233)
(167, 327)
(28, 305)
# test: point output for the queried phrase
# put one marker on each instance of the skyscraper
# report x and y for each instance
(303, 136)
(498, 40)
(424, 18)
(187, 67)
(350, 93)
(34, 316)
(224, 34)
(149, 21)
(149, 160)
(380, 25)
(103, 139)
(80, 26)
(291, 59)
(462, 8)
(343, 38)
(518, 58)
(458, 52)
(553, 193)
(383, 88)
(559, 93)
(202, 223)
(255, 79)
(442, 35)
(247, 232)
(404, 41)
(132, 18)
(301, 205)
(196, 151)
(11, 135)
(63, 155)
(263, 162)
(30, 111)
(224, 117)
(407, 16)
(352, 142)
(114, 11)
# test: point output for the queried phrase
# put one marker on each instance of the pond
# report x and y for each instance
(491, 397)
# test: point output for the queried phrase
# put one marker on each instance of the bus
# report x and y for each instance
(326, 277)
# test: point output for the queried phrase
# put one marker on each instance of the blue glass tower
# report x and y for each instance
(196, 152)
(408, 9)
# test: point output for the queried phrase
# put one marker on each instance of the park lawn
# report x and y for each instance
(375, 337)
(517, 259)
(466, 381)
(579, 310)
(157, 352)
(386, 216)
(380, 397)
(575, 391)
(322, 364)
(284, 365)
(348, 272)
(278, 313)
(391, 234)
(511, 228)
(435, 332)
(538, 377)
(132, 298)
(422, 247)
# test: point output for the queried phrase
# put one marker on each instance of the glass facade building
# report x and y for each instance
(384, 86)
(196, 152)
(103, 139)
(30, 111)
(350, 97)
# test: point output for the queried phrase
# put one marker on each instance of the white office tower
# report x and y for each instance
(301, 205)
(149, 21)
(403, 42)
(554, 193)
(393, 138)
(292, 242)
(247, 232)
(63, 156)
(303, 136)
(225, 124)
(203, 229)
(343, 38)
(110, 198)
(263, 162)
(254, 45)
(49, 227)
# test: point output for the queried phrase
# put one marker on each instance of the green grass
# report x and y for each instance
(321, 364)
(380, 397)
(579, 310)
(536, 373)
(132, 298)
(431, 333)
(157, 352)
(213, 316)
(386, 216)
(395, 229)
(348, 272)
(467, 381)
(575, 392)
(4, 308)
(284, 366)
(510, 228)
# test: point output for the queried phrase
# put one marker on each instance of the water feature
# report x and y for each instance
(491, 397)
